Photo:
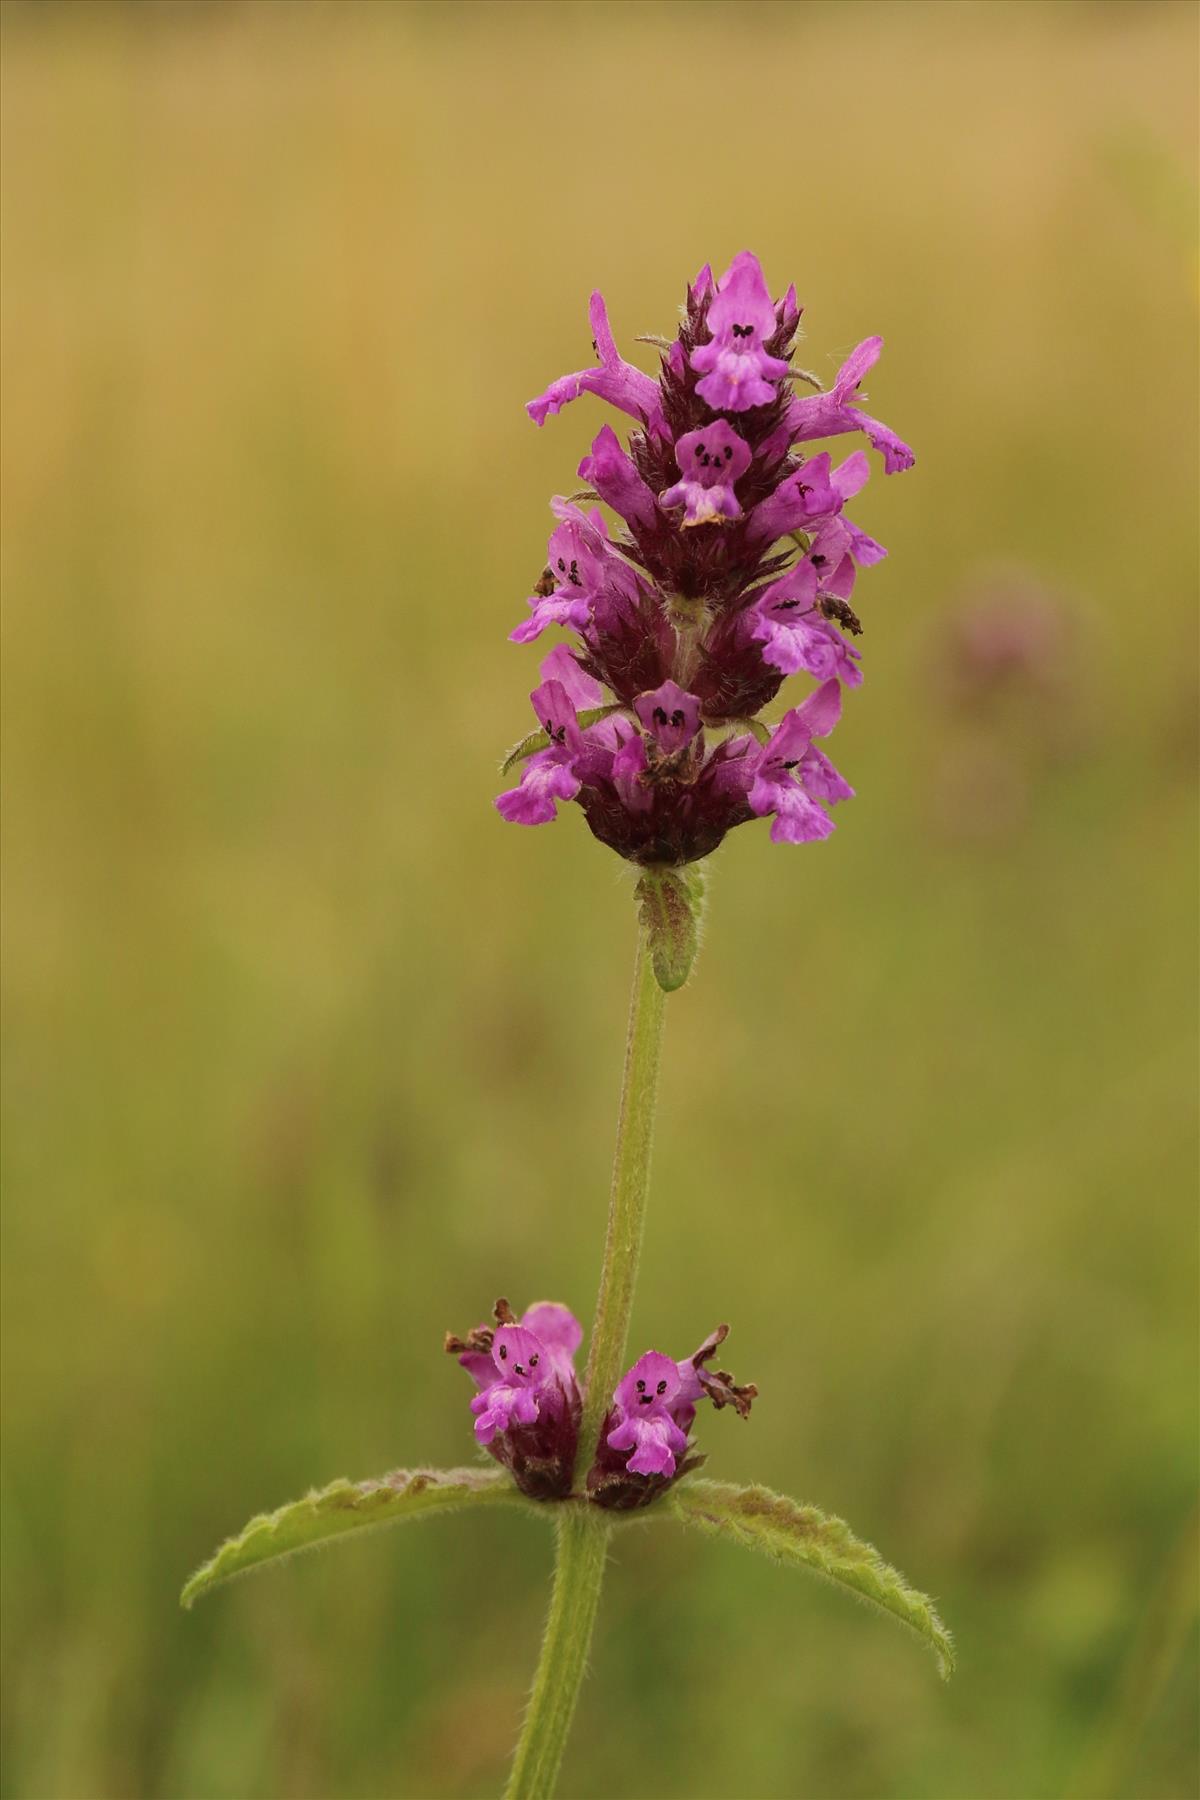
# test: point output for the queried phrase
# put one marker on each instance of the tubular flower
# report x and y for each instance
(644, 1442)
(528, 1405)
(730, 567)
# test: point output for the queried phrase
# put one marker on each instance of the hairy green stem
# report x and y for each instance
(583, 1531)
(582, 1544)
(627, 1201)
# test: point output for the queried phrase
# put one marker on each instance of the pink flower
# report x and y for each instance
(581, 564)
(829, 415)
(792, 777)
(644, 1443)
(615, 380)
(528, 1405)
(611, 472)
(710, 461)
(643, 1403)
(788, 623)
(738, 372)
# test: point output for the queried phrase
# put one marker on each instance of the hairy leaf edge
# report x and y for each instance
(687, 1504)
(437, 1491)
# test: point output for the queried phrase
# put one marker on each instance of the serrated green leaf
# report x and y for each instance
(803, 1536)
(540, 740)
(346, 1506)
(671, 904)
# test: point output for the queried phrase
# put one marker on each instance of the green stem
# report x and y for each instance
(627, 1201)
(582, 1530)
(582, 1545)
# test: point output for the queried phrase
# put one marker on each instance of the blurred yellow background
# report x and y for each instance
(308, 1056)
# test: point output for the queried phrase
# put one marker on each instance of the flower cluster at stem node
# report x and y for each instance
(529, 1404)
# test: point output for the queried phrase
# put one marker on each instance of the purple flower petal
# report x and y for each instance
(550, 611)
(580, 563)
(779, 785)
(710, 461)
(821, 779)
(643, 1403)
(737, 371)
(545, 781)
(562, 666)
(743, 299)
(830, 415)
(702, 286)
(556, 715)
(611, 472)
(798, 820)
(628, 768)
(558, 1329)
(864, 356)
(670, 714)
(809, 642)
(615, 380)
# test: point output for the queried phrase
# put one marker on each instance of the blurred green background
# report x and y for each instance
(308, 1056)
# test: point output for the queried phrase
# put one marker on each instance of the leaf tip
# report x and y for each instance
(192, 1589)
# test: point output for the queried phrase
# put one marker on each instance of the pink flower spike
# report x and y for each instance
(729, 567)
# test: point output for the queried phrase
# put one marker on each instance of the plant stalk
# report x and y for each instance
(627, 1201)
(581, 1546)
(583, 1531)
